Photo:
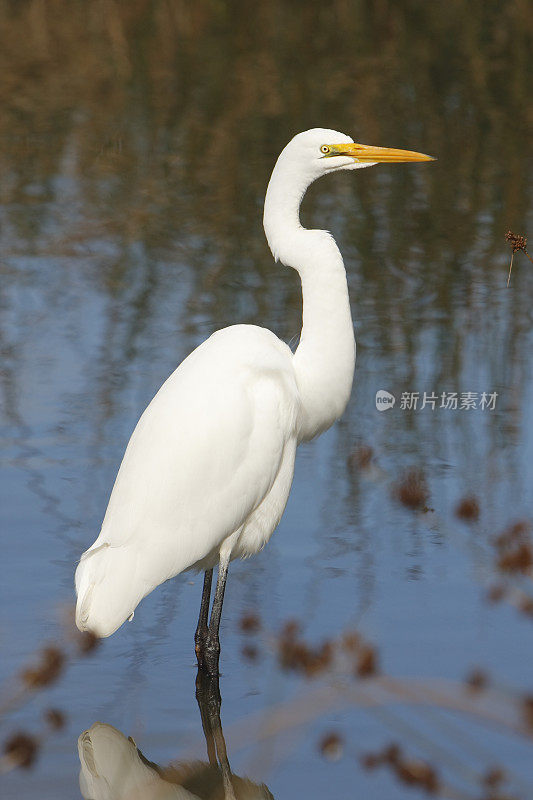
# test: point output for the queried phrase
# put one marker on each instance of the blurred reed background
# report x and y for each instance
(164, 118)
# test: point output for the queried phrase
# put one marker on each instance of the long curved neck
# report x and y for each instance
(325, 359)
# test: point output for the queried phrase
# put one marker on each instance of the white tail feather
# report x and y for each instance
(108, 589)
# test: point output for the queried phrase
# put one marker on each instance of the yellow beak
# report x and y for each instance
(365, 153)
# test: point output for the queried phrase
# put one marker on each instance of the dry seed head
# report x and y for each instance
(516, 241)
(250, 623)
(361, 458)
(54, 718)
(493, 777)
(331, 746)
(250, 652)
(496, 593)
(526, 606)
(517, 532)
(21, 749)
(87, 642)
(477, 680)
(412, 490)
(47, 670)
(468, 509)
(367, 662)
(516, 559)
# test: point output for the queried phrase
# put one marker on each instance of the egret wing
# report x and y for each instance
(202, 457)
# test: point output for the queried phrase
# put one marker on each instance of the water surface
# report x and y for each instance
(136, 143)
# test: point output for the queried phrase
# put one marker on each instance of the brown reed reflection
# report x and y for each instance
(22, 748)
(342, 673)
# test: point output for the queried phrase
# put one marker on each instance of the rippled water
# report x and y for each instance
(136, 144)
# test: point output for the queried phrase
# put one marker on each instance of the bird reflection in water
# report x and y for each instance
(113, 767)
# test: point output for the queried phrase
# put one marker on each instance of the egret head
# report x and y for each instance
(308, 156)
(321, 150)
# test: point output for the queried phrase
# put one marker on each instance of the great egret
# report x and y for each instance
(207, 472)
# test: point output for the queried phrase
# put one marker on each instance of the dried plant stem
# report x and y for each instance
(516, 242)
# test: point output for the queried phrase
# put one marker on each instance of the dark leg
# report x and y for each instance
(212, 643)
(202, 629)
(225, 769)
(209, 701)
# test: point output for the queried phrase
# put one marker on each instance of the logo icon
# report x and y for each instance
(384, 400)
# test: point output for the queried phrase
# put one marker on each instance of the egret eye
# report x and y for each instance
(325, 149)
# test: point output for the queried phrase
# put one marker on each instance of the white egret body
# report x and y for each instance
(208, 469)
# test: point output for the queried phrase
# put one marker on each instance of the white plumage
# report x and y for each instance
(213, 454)
(208, 469)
